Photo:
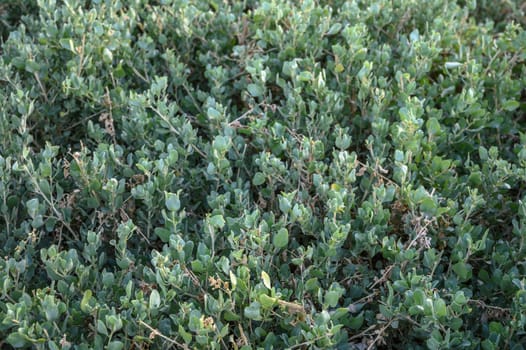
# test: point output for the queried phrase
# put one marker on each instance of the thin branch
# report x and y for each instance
(139, 74)
(482, 304)
(243, 116)
(155, 333)
(308, 342)
(81, 53)
(242, 334)
(42, 88)
(82, 121)
(384, 277)
(363, 333)
(380, 334)
(377, 173)
(57, 213)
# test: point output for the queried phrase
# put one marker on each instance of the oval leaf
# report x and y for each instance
(155, 299)
(281, 239)
(266, 279)
(172, 201)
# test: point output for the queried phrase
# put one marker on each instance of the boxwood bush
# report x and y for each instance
(263, 174)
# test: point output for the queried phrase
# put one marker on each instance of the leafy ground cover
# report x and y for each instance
(262, 174)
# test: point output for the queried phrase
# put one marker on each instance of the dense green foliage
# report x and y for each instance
(263, 174)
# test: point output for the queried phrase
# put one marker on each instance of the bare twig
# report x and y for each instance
(242, 334)
(308, 342)
(363, 333)
(377, 173)
(83, 121)
(384, 277)
(420, 234)
(143, 78)
(380, 334)
(49, 201)
(154, 333)
(236, 121)
(482, 304)
(42, 88)
(80, 51)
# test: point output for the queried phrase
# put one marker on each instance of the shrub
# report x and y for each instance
(263, 175)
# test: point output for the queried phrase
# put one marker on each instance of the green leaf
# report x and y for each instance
(221, 143)
(119, 71)
(213, 113)
(84, 303)
(187, 337)
(230, 316)
(258, 179)
(419, 296)
(487, 345)
(197, 266)
(460, 298)
(433, 126)
(452, 65)
(32, 66)
(428, 206)
(32, 207)
(255, 90)
(356, 322)
(305, 76)
(155, 299)
(456, 323)
(332, 297)
(312, 284)
(284, 204)
(253, 311)
(52, 345)
(428, 307)
(217, 221)
(67, 43)
(510, 105)
(440, 307)
(266, 301)
(172, 201)
(233, 280)
(335, 28)
(17, 340)
(163, 234)
(281, 239)
(266, 279)
(194, 322)
(114, 322)
(107, 56)
(483, 153)
(101, 328)
(159, 85)
(462, 270)
(115, 345)
(50, 308)
(433, 344)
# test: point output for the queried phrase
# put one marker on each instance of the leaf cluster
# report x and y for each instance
(262, 174)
